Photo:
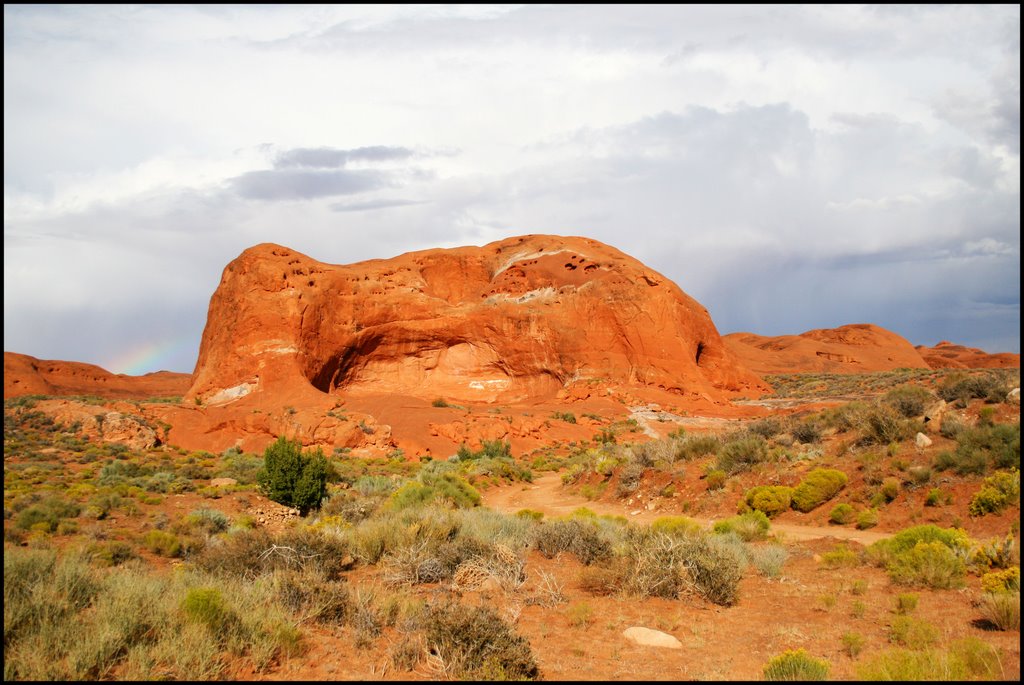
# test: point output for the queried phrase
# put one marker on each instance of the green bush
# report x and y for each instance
(937, 497)
(928, 564)
(890, 489)
(770, 499)
(162, 543)
(906, 603)
(1006, 580)
(867, 519)
(969, 658)
(806, 432)
(695, 446)
(767, 428)
(749, 526)
(675, 525)
(714, 567)
(998, 492)
(883, 425)
(716, 479)
(741, 454)
(982, 448)
(842, 514)
(913, 633)
(796, 665)
(989, 386)
(577, 536)
(909, 400)
(292, 478)
(818, 487)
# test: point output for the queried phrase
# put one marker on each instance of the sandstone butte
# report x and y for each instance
(854, 348)
(25, 375)
(947, 355)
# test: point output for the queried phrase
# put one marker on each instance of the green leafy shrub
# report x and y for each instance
(715, 479)
(162, 543)
(770, 499)
(293, 478)
(796, 665)
(853, 644)
(906, 603)
(998, 492)
(937, 497)
(982, 448)
(695, 446)
(868, 518)
(842, 514)
(960, 389)
(890, 489)
(749, 526)
(675, 525)
(1006, 580)
(210, 521)
(965, 659)
(914, 633)
(928, 564)
(819, 486)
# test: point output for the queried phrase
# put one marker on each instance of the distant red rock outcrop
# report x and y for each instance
(519, 319)
(855, 348)
(947, 355)
(25, 375)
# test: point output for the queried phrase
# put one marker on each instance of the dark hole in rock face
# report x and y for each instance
(570, 266)
(700, 351)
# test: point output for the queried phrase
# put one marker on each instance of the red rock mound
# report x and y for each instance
(519, 319)
(947, 355)
(855, 348)
(25, 375)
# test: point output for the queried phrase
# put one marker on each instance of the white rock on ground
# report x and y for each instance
(651, 638)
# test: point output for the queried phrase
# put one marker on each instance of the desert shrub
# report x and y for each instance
(853, 644)
(841, 556)
(714, 567)
(370, 485)
(959, 388)
(796, 665)
(1006, 580)
(602, 581)
(293, 478)
(206, 605)
(1001, 609)
(308, 593)
(909, 400)
(907, 631)
(996, 554)
(444, 487)
(819, 486)
(768, 559)
(531, 514)
(566, 416)
(867, 518)
(928, 564)
(675, 525)
(767, 428)
(162, 543)
(842, 514)
(808, 432)
(576, 536)
(749, 526)
(715, 479)
(770, 499)
(696, 446)
(937, 497)
(248, 553)
(742, 453)
(474, 643)
(209, 521)
(489, 449)
(882, 425)
(884, 551)
(47, 514)
(906, 603)
(998, 491)
(982, 448)
(969, 658)
(890, 489)
(630, 476)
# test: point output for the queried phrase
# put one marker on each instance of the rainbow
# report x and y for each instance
(149, 356)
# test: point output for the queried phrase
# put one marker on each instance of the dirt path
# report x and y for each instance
(546, 494)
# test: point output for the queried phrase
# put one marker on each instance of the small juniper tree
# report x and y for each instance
(292, 478)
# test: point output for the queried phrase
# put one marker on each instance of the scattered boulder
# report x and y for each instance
(651, 638)
(922, 441)
(933, 416)
(1013, 397)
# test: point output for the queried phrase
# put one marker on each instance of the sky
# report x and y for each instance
(790, 167)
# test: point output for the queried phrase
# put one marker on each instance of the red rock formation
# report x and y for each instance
(855, 348)
(519, 319)
(947, 355)
(25, 375)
